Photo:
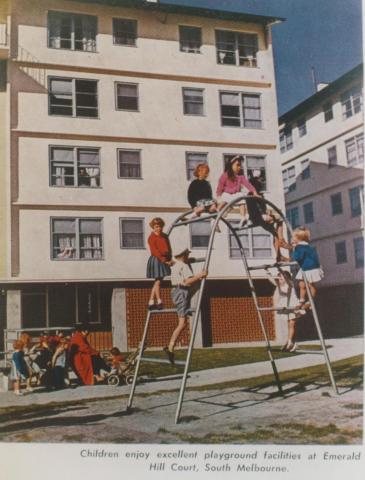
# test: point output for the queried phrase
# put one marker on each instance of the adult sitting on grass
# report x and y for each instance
(85, 361)
(184, 284)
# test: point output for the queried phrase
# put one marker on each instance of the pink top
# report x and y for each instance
(229, 186)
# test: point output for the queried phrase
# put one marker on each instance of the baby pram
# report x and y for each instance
(124, 373)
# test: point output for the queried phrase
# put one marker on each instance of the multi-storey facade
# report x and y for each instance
(107, 108)
(322, 156)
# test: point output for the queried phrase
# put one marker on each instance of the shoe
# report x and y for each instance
(170, 355)
(152, 307)
(284, 348)
(159, 306)
(292, 348)
(243, 221)
(300, 312)
(18, 392)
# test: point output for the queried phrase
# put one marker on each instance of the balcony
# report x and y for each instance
(4, 41)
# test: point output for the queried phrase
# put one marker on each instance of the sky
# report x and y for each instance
(325, 34)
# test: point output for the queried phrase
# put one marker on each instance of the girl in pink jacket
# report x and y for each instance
(232, 185)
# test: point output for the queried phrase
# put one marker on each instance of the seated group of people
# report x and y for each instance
(50, 359)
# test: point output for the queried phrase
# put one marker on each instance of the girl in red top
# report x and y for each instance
(158, 265)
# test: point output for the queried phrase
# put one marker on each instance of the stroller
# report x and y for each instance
(124, 373)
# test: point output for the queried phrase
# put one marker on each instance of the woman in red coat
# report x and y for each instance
(81, 356)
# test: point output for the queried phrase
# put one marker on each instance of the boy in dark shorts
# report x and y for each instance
(184, 285)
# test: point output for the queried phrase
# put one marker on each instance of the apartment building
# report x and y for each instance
(106, 108)
(322, 156)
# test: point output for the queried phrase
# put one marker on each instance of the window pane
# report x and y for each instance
(90, 226)
(332, 156)
(305, 164)
(341, 254)
(308, 212)
(190, 39)
(64, 226)
(200, 233)
(234, 251)
(62, 167)
(192, 160)
(132, 233)
(124, 31)
(356, 200)
(256, 168)
(226, 47)
(127, 97)
(336, 204)
(359, 252)
(60, 97)
(129, 164)
(193, 101)
(230, 110)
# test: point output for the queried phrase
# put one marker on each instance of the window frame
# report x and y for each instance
(302, 127)
(327, 109)
(236, 49)
(191, 235)
(286, 139)
(241, 107)
(201, 90)
(336, 205)
(246, 158)
(305, 169)
(286, 175)
(131, 84)
(358, 142)
(289, 216)
(187, 168)
(77, 234)
(359, 261)
(356, 204)
(338, 246)
(332, 159)
(193, 50)
(248, 246)
(308, 212)
(348, 99)
(74, 92)
(143, 233)
(136, 150)
(72, 37)
(132, 20)
(75, 163)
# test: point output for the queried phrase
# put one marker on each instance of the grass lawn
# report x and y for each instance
(204, 359)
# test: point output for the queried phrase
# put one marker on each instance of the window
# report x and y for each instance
(302, 127)
(336, 204)
(72, 32)
(289, 179)
(286, 140)
(341, 253)
(127, 96)
(359, 252)
(355, 150)
(240, 110)
(305, 166)
(129, 163)
(124, 32)
(253, 166)
(73, 98)
(192, 160)
(351, 102)
(190, 39)
(77, 238)
(332, 156)
(356, 200)
(292, 215)
(308, 212)
(200, 233)
(234, 48)
(193, 101)
(132, 233)
(256, 243)
(74, 167)
(328, 111)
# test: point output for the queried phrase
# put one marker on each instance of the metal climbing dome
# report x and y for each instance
(218, 217)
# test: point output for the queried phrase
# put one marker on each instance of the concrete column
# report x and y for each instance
(119, 319)
(14, 309)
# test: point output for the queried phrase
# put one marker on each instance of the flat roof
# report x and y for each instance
(322, 95)
(188, 10)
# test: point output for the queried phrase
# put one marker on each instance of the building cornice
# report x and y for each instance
(137, 74)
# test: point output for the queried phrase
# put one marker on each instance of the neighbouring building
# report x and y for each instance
(322, 157)
(105, 109)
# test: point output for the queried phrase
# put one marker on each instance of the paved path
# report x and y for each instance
(338, 349)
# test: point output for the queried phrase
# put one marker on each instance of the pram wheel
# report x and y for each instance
(113, 380)
(129, 379)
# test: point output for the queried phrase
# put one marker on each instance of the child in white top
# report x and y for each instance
(285, 298)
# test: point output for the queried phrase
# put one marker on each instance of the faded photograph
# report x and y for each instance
(181, 222)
